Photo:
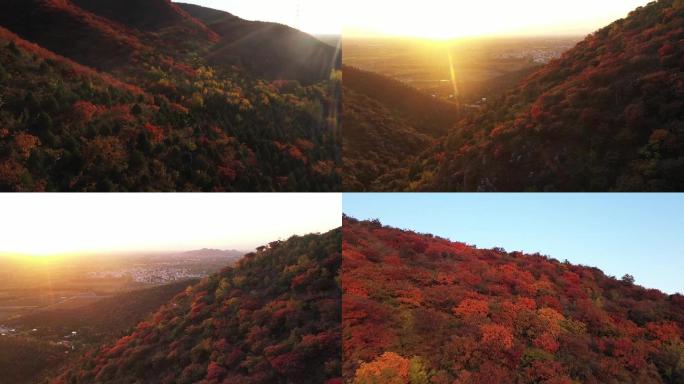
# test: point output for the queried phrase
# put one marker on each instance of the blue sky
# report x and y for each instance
(639, 234)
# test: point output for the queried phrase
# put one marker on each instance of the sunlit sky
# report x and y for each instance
(469, 18)
(316, 17)
(47, 224)
(621, 234)
(440, 19)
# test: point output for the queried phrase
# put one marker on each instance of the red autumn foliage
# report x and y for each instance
(78, 100)
(85, 111)
(524, 319)
(156, 133)
(224, 329)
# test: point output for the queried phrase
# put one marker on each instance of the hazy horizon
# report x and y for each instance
(436, 19)
(119, 224)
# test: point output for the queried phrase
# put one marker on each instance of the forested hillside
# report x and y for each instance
(376, 143)
(124, 96)
(386, 126)
(422, 309)
(273, 318)
(607, 116)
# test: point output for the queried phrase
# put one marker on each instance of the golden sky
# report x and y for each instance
(443, 19)
(440, 19)
(63, 224)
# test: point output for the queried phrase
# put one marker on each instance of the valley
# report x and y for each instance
(79, 304)
(480, 66)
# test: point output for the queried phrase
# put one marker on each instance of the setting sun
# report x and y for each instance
(437, 19)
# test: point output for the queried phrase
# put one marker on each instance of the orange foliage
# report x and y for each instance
(497, 336)
(472, 309)
(156, 133)
(390, 367)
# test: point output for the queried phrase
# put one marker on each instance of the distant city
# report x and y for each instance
(155, 274)
(539, 55)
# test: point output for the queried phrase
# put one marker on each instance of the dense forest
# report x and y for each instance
(273, 318)
(141, 96)
(606, 116)
(421, 309)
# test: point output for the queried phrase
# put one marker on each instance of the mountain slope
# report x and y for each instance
(70, 31)
(272, 50)
(105, 319)
(376, 143)
(609, 115)
(274, 318)
(24, 360)
(429, 115)
(422, 309)
(387, 125)
(151, 15)
(185, 126)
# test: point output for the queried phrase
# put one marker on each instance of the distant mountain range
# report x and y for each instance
(150, 95)
(208, 252)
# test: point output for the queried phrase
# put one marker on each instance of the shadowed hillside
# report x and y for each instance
(25, 360)
(272, 50)
(430, 116)
(150, 15)
(376, 143)
(387, 125)
(68, 30)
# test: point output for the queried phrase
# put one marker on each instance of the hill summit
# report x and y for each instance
(422, 309)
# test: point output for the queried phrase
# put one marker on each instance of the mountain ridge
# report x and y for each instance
(300, 55)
